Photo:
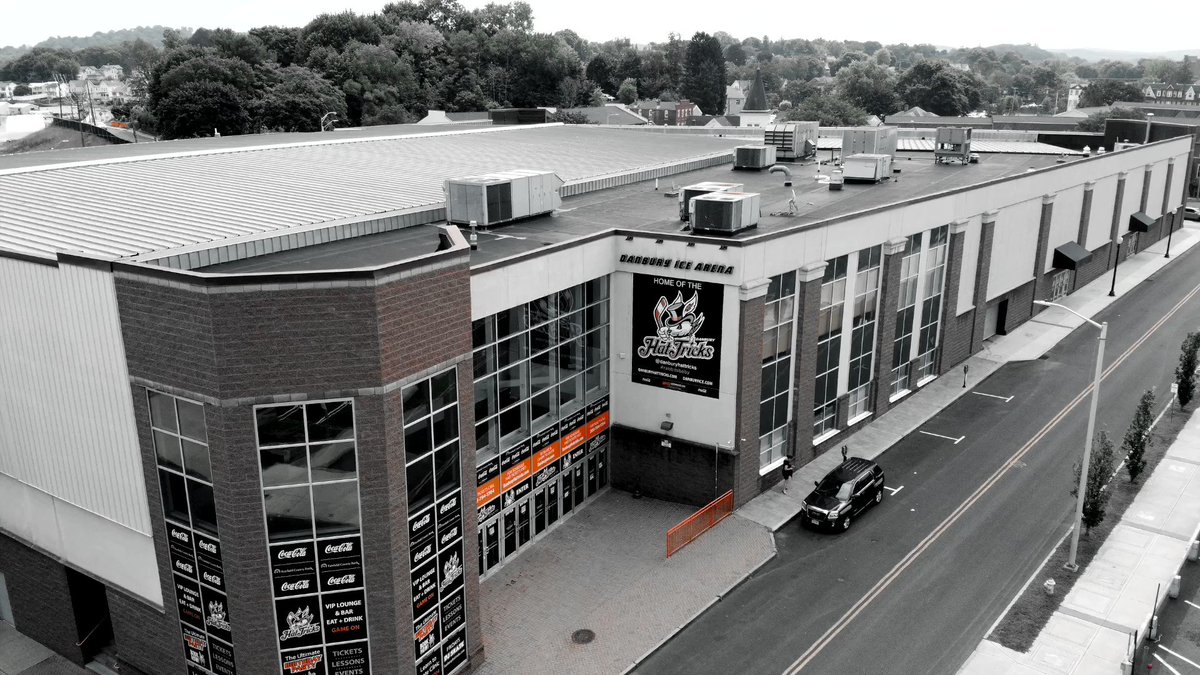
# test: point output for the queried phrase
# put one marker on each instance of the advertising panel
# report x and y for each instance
(677, 334)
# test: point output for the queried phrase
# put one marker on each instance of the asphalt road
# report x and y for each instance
(919, 579)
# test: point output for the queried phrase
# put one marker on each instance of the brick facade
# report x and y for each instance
(983, 271)
(679, 472)
(233, 348)
(808, 308)
(1041, 278)
(749, 395)
(885, 329)
(40, 594)
(953, 346)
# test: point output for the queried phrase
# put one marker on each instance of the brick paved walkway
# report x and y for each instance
(605, 570)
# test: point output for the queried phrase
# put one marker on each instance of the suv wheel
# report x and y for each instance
(879, 495)
(846, 523)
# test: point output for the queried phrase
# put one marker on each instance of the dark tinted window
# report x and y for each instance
(162, 411)
(335, 508)
(204, 510)
(167, 448)
(420, 485)
(289, 513)
(174, 496)
(449, 469)
(283, 466)
(280, 425)
(191, 421)
(332, 461)
(195, 456)
(330, 421)
(416, 400)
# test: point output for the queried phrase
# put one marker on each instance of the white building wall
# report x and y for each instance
(970, 264)
(1133, 198)
(1158, 183)
(1014, 246)
(1064, 222)
(1104, 195)
(73, 481)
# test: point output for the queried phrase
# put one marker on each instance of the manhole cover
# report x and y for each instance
(583, 636)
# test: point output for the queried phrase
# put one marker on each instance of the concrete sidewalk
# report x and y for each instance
(1090, 633)
(20, 655)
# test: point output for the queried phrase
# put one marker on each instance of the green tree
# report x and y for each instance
(199, 108)
(1100, 468)
(869, 86)
(937, 87)
(600, 71)
(1137, 437)
(570, 117)
(1095, 121)
(1107, 92)
(830, 111)
(735, 54)
(704, 79)
(22, 90)
(282, 43)
(41, 64)
(337, 31)
(299, 100)
(845, 60)
(627, 93)
(1185, 372)
(1086, 71)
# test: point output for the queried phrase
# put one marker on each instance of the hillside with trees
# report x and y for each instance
(416, 55)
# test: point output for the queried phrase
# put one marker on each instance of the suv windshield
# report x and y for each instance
(833, 487)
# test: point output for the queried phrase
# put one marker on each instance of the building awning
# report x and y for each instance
(1140, 222)
(1070, 256)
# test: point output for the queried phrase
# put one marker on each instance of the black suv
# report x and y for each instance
(845, 492)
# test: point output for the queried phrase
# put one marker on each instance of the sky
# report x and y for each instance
(1051, 25)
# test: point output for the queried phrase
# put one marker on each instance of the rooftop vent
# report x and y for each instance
(952, 145)
(753, 156)
(725, 212)
(792, 140)
(869, 140)
(497, 198)
(690, 192)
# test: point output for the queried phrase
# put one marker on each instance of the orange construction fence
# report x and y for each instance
(698, 523)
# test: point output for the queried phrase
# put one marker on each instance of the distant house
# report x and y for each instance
(714, 121)
(1161, 92)
(735, 96)
(102, 91)
(756, 113)
(1074, 93)
(667, 113)
(48, 89)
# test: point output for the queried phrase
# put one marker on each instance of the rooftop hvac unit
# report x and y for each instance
(952, 145)
(725, 212)
(869, 140)
(792, 140)
(689, 192)
(753, 156)
(498, 198)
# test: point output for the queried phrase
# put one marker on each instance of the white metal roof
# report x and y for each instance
(135, 205)
(926, 145)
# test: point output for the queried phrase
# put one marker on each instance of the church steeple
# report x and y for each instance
(757, 100)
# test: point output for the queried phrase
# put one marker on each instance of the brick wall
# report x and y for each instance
(682, 473)
(957, 347)
(808, 309)
(983, 271)
(886, 330)
(1020, 305)
(1041, 280)
(746, 465)
(40, 597)
(424, 321)
(143, 636)
(950, 346)
(168, 330)
(1094, 268)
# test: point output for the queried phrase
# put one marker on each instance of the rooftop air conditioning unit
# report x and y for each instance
(497, 198)
(725, 212)
(753, 156)
(792, 140)
(690, 192)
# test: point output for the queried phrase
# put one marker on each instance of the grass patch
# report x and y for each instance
(1033, 609)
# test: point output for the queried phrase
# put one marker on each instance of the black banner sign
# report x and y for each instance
(453, 611)
(431, 665)
(419, 525)
(216, 614)
(179, 547)
(427, 633)
(187, 594)
(294, 569)
(487, 471)
(420, 551)
(345, 616)
(449, 511)
(195, 646)
(454, 651)
(340, 563)
(450, 569)
(221, 661)
(424, 588)
(298, 621)
(351, 659)
(677, 334)
(488, 510)
(208, 559)
(303, 662)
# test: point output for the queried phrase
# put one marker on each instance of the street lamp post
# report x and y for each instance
(1091, 428)
(1112, 290)
(326, 116)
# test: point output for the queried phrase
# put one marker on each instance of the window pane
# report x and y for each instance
(783, 374)
(570, 299)
(445, 426)
(781, 403)
(204, 510)
(280, 425)
(541, 371)
(485, 437)
(513, 387)
(510, 321)
(570, 358)
(597, 346)
(513, 424)
(484, 361)
(512, 350)
(420, 485)
(768, 382)
(333, 421)
(195, 457)
(543, 309)
(597, 378)
(765, 418)
(162, 411)
(597, 315)
(784, 345)
(283, 466)
(417, 440)
(444, 389)
(174, 498)
(570, 327)
(191, 421)
(335, 508)
(543, 337)
(597, 289)
(166, 447)
(543, 405)
(449, 470)
(416, 401)
(485, 398)
(289, 513)
(332, 461)
(570, 395)
(483, 331)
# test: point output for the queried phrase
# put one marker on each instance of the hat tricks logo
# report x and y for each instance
(675, 337)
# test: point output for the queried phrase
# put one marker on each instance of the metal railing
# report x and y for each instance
(699, 522)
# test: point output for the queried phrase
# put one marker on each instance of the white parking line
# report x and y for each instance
(1181, 657)
(892, 489)
(949, 438)
(1006, 399)
(1167, 665)
(1192, 604)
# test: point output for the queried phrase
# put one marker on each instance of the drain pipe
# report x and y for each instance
(779, 168)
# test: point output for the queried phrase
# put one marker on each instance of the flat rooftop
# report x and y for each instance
(639, 207)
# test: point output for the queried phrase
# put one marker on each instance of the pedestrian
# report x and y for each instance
(788, 470)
